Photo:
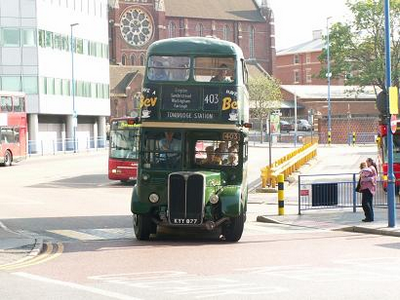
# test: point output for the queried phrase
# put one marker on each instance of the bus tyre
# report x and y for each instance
(7, 159)
(234, 229)
(142, 226)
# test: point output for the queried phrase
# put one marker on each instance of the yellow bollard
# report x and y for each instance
(281, 194)
(329, 138)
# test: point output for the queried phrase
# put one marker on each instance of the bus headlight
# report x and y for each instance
(214, 199)
(145, 177)
(153, 198)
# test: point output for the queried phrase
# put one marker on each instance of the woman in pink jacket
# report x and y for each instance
(368, 188)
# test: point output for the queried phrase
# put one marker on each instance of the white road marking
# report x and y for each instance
(76, 235)
(76, 286)
(184, 284)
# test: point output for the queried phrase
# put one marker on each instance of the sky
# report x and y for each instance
(295, 20)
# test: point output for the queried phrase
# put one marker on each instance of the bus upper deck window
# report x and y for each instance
(168, 68)
(211, 69)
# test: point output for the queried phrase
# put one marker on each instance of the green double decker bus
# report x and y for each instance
(193, 146)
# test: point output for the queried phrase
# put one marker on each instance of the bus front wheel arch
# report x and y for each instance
(142, 226)
(7, 158)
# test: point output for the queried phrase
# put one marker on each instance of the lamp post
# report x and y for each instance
(329, 80)
(74, 114)
(391, 177)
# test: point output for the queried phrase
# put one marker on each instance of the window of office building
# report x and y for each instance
(308, 76)
(79, 46)
(171, 29)
(85, 46)
(65, 42)
(199, 29)
(66, 87)
(28, 37)
(296, 59)
(58, 42)
(308, 58)
(58, 86)
(50, 86)
(11, 83)
(30, 84)
(10, 37)
(226, 33)
(42, 38)
(49, 39)
(296, 75)
(251, 41)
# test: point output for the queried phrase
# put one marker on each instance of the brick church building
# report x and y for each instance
(135, 24)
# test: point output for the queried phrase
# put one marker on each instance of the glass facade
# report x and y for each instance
(48, 39)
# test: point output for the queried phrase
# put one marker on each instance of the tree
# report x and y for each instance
(357, 47)
(265, 96)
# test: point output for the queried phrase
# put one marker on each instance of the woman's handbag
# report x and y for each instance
(358, 188)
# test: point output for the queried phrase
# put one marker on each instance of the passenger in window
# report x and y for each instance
(232, 160)
(180, 74)
(158, 73)
(222, 75)
(210, 156)
(169, 143)
(223, 151)
(232, 156)
(217, 157)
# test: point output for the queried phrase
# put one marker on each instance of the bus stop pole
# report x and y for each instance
(391, 181)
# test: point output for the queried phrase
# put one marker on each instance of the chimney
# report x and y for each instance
(317, 34)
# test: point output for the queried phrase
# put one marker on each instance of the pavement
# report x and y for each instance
(15, 246)
(330, 219)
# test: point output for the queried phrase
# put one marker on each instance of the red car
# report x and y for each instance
(286, 126)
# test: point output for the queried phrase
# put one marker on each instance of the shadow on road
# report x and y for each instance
(85, 181)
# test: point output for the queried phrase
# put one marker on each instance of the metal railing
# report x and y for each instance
(327, 191)
(55, 146)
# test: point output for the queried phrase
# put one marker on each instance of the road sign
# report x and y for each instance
(393, 123)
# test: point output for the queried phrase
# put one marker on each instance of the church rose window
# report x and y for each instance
(136, 27)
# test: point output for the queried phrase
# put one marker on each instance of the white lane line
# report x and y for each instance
(76, 286)
(76, 235)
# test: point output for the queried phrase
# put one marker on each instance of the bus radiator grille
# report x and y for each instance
(186, 199)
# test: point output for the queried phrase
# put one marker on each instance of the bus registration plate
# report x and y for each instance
(185, 221)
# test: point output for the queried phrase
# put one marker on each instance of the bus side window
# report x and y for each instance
(245, 73)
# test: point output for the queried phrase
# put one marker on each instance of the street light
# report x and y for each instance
(74, 114)
(329, 80)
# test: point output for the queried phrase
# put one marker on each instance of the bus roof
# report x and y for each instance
(206, 46)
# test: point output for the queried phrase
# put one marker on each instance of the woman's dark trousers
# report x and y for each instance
(367, 204)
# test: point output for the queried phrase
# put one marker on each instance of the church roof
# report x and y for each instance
(232, 10)
(121, 77)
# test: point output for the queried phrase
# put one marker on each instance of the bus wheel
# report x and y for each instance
(233, 231)
(7, 159)
(142, 226)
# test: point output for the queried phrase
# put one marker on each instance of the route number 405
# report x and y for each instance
(211, 99)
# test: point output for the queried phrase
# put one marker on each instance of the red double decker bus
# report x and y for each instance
(13, 127)
(383, 152)
(124, 145)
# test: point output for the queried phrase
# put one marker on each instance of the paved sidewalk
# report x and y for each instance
(330, 219)
(14, 246)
